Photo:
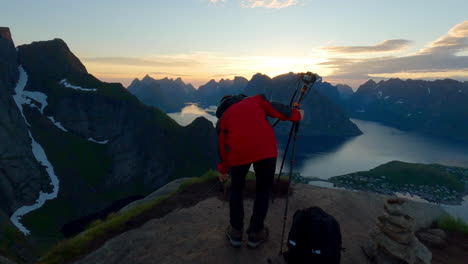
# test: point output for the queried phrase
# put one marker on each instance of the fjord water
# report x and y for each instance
(327, 157)
(378, 145)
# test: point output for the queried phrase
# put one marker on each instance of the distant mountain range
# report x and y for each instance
(166, 94)
(438, 108)
(433, 107)
(324, 116)
(79, 144)
(171, 95)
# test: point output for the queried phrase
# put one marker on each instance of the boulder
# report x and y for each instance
(431, 240)
(438, 232)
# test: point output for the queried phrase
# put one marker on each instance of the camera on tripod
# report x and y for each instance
(309, 78)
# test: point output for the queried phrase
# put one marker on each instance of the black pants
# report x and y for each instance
(264, 174)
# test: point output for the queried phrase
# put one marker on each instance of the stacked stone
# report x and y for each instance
(394, 241)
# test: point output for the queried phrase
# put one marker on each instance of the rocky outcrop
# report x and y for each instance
(394, 241)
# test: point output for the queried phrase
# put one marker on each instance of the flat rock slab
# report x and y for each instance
(196, 234)
(165, 190)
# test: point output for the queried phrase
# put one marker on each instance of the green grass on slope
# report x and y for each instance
(10, 237)
(451, 224)
(397, 172)
(79, 164)
(82, 244)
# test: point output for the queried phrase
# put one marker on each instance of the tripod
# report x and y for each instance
(307, 78)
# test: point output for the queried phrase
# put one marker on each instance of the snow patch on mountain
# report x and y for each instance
(36, 96)
(24, 98)
(57, 124)
(65, 83)
(99, 142)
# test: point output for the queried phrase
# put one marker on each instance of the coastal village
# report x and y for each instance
(436, 193)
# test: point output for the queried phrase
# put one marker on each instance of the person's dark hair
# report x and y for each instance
(227, 101)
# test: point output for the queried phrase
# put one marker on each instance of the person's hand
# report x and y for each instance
(302, 113)
(222, 177)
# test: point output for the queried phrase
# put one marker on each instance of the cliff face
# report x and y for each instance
(21, 177)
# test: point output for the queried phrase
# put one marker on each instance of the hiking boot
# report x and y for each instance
(257, 238)
(234, 236)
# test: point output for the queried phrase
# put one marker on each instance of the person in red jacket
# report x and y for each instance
(246, 137)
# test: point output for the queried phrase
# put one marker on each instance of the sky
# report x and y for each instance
(199, 40)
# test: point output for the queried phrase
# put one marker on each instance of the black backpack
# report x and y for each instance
(315, 237)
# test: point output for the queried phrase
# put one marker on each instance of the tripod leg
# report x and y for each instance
(295, 127)
(276, 188)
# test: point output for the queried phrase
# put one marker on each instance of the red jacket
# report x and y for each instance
(246, 136)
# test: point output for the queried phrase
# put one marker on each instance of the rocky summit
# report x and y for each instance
(173, 239)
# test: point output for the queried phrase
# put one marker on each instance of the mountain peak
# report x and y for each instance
(9, 60)
(5, 34)
(147, 78)
(50, 59)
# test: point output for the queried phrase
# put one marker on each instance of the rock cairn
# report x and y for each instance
(394, 240)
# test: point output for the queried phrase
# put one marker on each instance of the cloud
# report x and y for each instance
(384, 46)
(439, 58)
(268, 3)
(454, 41)
(216, 1)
